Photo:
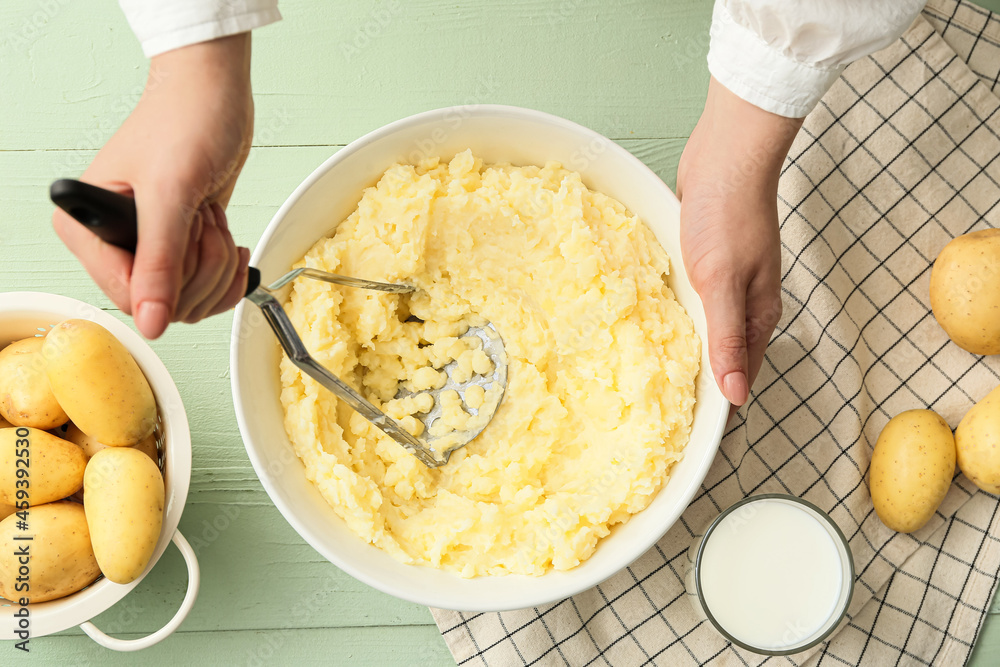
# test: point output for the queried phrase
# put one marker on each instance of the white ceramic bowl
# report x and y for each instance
(24, 314)
(496, 134)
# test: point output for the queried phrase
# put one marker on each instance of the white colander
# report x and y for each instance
(24, 314)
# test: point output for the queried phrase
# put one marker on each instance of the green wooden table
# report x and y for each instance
(70, 70)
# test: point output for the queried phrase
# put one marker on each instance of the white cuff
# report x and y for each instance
(744, 63)
(203, 32)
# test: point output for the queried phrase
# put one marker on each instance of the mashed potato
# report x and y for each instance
(602, 365)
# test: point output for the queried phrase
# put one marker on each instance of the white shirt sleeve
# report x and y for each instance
(783, 55)
(162, 25)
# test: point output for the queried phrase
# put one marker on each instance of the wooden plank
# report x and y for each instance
(330, 72)
(986, 652)
(358, 647)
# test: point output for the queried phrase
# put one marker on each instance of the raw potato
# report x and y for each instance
(965, 291)
(123, 497)
(91, 446)
(98, 383)
(978, 441)
(25, 397)
(62, 560)
(911, 469)
(6, 510)
(54, 468)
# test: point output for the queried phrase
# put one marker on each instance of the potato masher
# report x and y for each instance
(113, 218)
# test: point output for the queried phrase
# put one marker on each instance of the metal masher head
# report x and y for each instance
(434, 445)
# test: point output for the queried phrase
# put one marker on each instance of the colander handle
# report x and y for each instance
(194, 580)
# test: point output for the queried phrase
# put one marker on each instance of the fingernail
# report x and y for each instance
(152, 318)
(735, 388)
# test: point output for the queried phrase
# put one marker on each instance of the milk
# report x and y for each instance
(774, 575)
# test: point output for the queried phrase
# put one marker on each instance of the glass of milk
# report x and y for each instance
(773, 573)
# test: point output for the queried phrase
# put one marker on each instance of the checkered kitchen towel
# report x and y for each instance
(902, 155)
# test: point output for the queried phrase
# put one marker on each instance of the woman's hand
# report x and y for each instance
(178, 154)
(727, 181)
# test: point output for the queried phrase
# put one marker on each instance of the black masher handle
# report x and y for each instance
(109, 215)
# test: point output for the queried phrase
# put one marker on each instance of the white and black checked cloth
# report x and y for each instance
(902, 155)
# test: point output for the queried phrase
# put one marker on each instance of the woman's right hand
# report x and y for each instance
(179, 154)
(727, 181)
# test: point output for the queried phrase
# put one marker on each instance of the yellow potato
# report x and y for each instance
(4, 423)
(98, 383)
(61, 558)
(123, 497)
(978, 441)
(37, 467)
(911, 469)
(6, 510)
(25, 397)
(965, 291)
(91, 446)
